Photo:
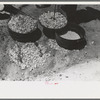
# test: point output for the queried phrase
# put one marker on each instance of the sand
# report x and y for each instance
(70, 35)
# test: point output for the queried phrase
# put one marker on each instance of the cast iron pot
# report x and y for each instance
(10, 9)
(72, 44)
(32, 36)
(4, 16)
(42, 6)
(70, 10)
(50, 33)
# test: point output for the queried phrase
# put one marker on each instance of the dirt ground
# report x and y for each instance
(64, 65)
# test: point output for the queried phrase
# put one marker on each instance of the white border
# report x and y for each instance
(82, 2)
(40, 89)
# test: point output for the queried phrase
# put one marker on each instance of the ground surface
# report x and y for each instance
(83, 65)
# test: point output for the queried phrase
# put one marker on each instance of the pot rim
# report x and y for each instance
(81, 36)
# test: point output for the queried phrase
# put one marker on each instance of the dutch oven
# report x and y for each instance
(42, 6)
(69, 44)
(31, 36)
(50, 32)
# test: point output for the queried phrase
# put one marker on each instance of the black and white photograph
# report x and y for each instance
(49, 50)
(49, 42)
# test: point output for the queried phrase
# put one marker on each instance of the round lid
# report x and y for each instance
(1, 7)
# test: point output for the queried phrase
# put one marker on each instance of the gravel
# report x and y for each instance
(22, 24)
(52, 21)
